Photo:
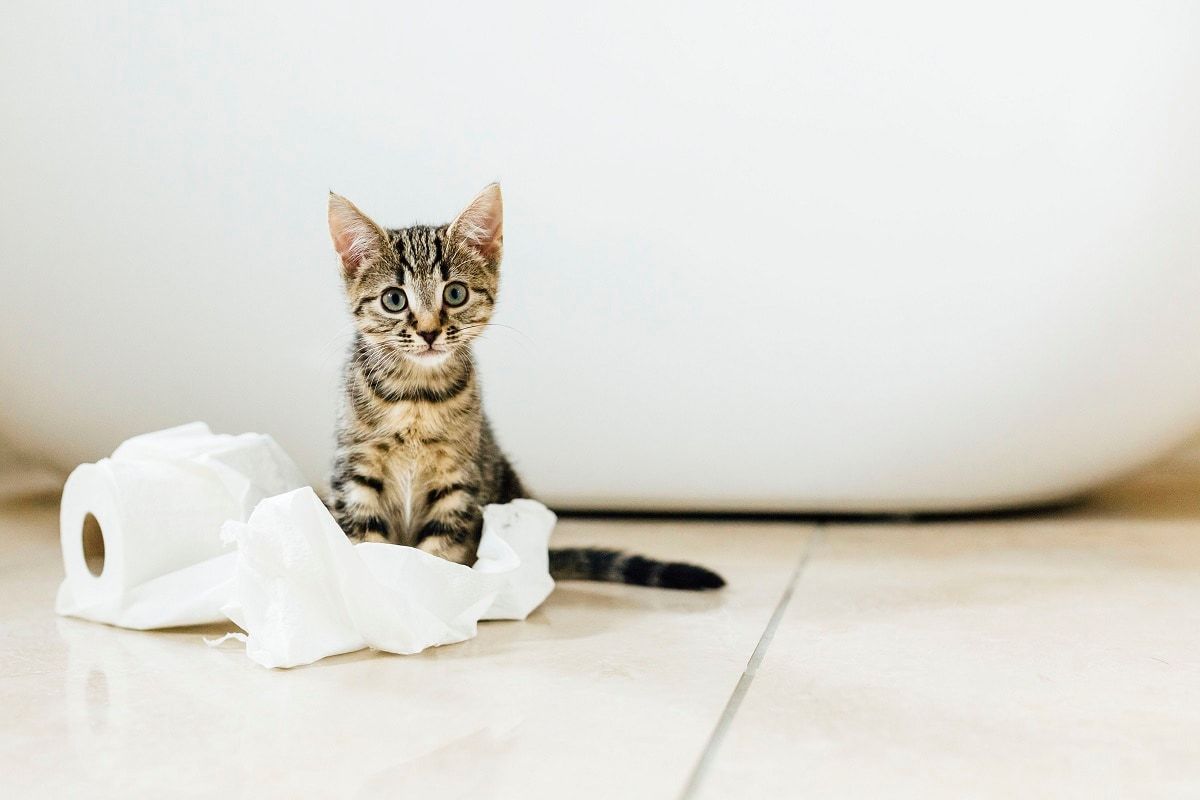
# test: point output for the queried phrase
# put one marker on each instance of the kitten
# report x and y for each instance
(416, 459)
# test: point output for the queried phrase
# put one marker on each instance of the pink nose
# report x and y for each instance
(429, 336)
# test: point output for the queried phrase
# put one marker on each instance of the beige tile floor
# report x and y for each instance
(1052, 655)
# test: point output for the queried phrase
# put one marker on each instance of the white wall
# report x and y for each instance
(820, 255)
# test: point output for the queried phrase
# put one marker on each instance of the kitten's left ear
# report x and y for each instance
(480, 226)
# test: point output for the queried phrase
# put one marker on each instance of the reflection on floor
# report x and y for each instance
(1057, 655)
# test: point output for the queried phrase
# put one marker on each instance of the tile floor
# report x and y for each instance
(1052, 655)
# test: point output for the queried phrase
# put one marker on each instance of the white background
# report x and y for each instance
(794, 256)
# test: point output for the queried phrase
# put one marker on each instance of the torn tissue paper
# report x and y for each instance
(302, 591)
(198, 527)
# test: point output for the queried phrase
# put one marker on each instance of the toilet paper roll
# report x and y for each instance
(141, 531)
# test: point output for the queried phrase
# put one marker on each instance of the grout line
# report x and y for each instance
(709, 754)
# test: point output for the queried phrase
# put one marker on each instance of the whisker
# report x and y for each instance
(518, 331)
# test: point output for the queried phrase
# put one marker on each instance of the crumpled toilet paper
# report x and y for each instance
(302, 591)
(200, 527)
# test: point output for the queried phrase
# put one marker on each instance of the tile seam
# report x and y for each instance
(734, 703)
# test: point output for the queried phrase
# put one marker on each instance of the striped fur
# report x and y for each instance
(596, 564)
(416, 459)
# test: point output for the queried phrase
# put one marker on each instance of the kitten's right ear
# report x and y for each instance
(355, 236)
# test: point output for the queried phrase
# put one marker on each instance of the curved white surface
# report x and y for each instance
(843, 256)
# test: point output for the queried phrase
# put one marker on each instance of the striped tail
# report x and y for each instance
(597, 564)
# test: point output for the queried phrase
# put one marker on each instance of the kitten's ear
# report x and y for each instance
(355, 236)
(480, 226)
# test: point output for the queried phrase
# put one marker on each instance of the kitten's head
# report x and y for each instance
(423, 292)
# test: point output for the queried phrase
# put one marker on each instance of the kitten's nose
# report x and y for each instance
(429, 336)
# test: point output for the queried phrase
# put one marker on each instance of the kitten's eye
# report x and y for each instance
(455, 293)
(394, 300)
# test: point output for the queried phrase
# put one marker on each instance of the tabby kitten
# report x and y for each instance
(416, 459)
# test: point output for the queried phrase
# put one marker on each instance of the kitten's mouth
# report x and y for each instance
(430, 354)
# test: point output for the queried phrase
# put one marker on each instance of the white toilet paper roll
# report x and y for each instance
(141, 531)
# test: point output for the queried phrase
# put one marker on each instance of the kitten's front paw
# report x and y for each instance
(443, 547)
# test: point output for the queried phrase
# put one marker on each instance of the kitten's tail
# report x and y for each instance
(597, 564)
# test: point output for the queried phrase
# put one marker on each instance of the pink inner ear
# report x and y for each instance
(487, 238)
(481, 224)
(352, 251)
(353, 235)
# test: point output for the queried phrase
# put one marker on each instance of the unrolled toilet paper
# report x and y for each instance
(303, 591)
(200, 527)
(157, 506)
